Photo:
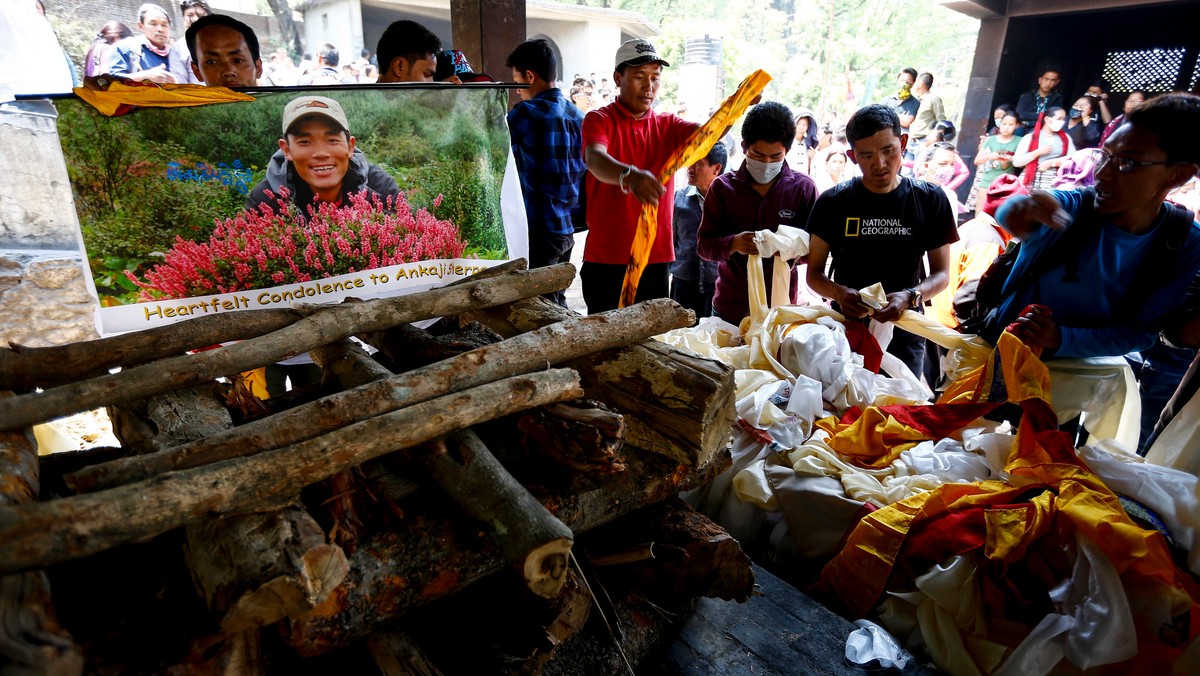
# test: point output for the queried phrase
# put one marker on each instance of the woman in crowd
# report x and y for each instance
(998, 117)
(832, 170)
(1083, 126)
(800, 157)
(943, 132)
(1042, 151)
(107, 37)
(995, 156)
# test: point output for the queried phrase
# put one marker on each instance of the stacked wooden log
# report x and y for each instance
(343, 520)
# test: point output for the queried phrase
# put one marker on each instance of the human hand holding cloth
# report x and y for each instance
(696, 148)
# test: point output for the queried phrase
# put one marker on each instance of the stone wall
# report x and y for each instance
(36, 208)
(44, 298)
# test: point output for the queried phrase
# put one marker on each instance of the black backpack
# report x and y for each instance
(977, 306)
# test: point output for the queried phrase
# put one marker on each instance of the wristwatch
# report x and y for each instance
(915, 298)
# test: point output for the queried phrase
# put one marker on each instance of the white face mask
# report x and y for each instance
(1055, 125)
(763, 172)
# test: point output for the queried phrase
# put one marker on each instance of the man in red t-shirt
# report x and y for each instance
(625, 144)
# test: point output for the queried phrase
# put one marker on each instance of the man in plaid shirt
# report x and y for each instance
(547, 145)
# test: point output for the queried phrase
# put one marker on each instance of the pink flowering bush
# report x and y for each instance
(272, 245)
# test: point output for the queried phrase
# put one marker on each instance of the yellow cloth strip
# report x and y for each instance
(695, 149)
(159, 96)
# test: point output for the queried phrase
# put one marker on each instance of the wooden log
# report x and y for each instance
(169, 419)
(528, 536)
(40, 534)
(407, 347)
(430, 555)
(397, 654)
(254, 570)
(529, 352)
(31, 640)
(25, 368)
(497, 627)
(675, 403)
(532, 540)
(579, 435)
(347, 364)
(325, 326)
(693, 556)
(251, 569)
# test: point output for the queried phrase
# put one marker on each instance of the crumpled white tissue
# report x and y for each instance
(872, 642)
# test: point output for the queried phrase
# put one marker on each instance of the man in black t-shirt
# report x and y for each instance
(879, 228)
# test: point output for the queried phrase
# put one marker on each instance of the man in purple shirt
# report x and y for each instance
(762, 195)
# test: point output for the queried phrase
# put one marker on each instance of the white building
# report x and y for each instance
(584, 38)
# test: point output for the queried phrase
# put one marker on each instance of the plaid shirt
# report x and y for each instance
(548, 148)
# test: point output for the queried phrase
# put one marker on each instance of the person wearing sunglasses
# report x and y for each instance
(1097, 293)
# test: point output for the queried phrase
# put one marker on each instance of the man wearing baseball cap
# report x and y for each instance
(625, 145)
(317, 159)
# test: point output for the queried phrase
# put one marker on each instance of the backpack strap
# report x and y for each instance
(1063, 251)
(1162, 261)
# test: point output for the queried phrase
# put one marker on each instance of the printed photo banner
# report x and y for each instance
(191, 211)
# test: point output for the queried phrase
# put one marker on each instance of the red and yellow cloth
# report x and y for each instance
(1050, 493)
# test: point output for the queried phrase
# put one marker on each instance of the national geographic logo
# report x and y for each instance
(856, 227)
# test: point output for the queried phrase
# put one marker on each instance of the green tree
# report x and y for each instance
(832, 56)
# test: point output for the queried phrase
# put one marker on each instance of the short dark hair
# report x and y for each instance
(926, 80)
(769, 121)
(1173, 118)
(718, 155)
(189, 4)
(911, 72)
(870, 120)
(220, 20)
(534, 55)
(408, 40)
(329, 54)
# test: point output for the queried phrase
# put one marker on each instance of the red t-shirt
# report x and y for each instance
(612, 216)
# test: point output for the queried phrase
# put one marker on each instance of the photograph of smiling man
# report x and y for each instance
(317, 159)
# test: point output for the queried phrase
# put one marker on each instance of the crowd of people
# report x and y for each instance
(877, 194)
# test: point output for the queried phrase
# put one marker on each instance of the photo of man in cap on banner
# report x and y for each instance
(317, 159)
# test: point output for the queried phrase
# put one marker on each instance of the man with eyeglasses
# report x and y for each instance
(1104, 298)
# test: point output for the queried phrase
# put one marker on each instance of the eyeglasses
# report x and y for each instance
(1123, 165)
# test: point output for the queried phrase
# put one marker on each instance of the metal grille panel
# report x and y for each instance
(1151, 70)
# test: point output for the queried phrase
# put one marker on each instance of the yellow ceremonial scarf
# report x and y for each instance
(695, 149)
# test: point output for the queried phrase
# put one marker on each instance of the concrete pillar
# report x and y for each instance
(977, 110)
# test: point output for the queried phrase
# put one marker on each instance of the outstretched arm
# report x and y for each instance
(607, 169)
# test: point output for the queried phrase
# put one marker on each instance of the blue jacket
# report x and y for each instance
(1093, 314)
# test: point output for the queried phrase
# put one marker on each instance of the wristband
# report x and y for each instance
(622, 177)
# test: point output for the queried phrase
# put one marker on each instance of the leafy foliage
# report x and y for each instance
(832, 56)
(276, 244)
